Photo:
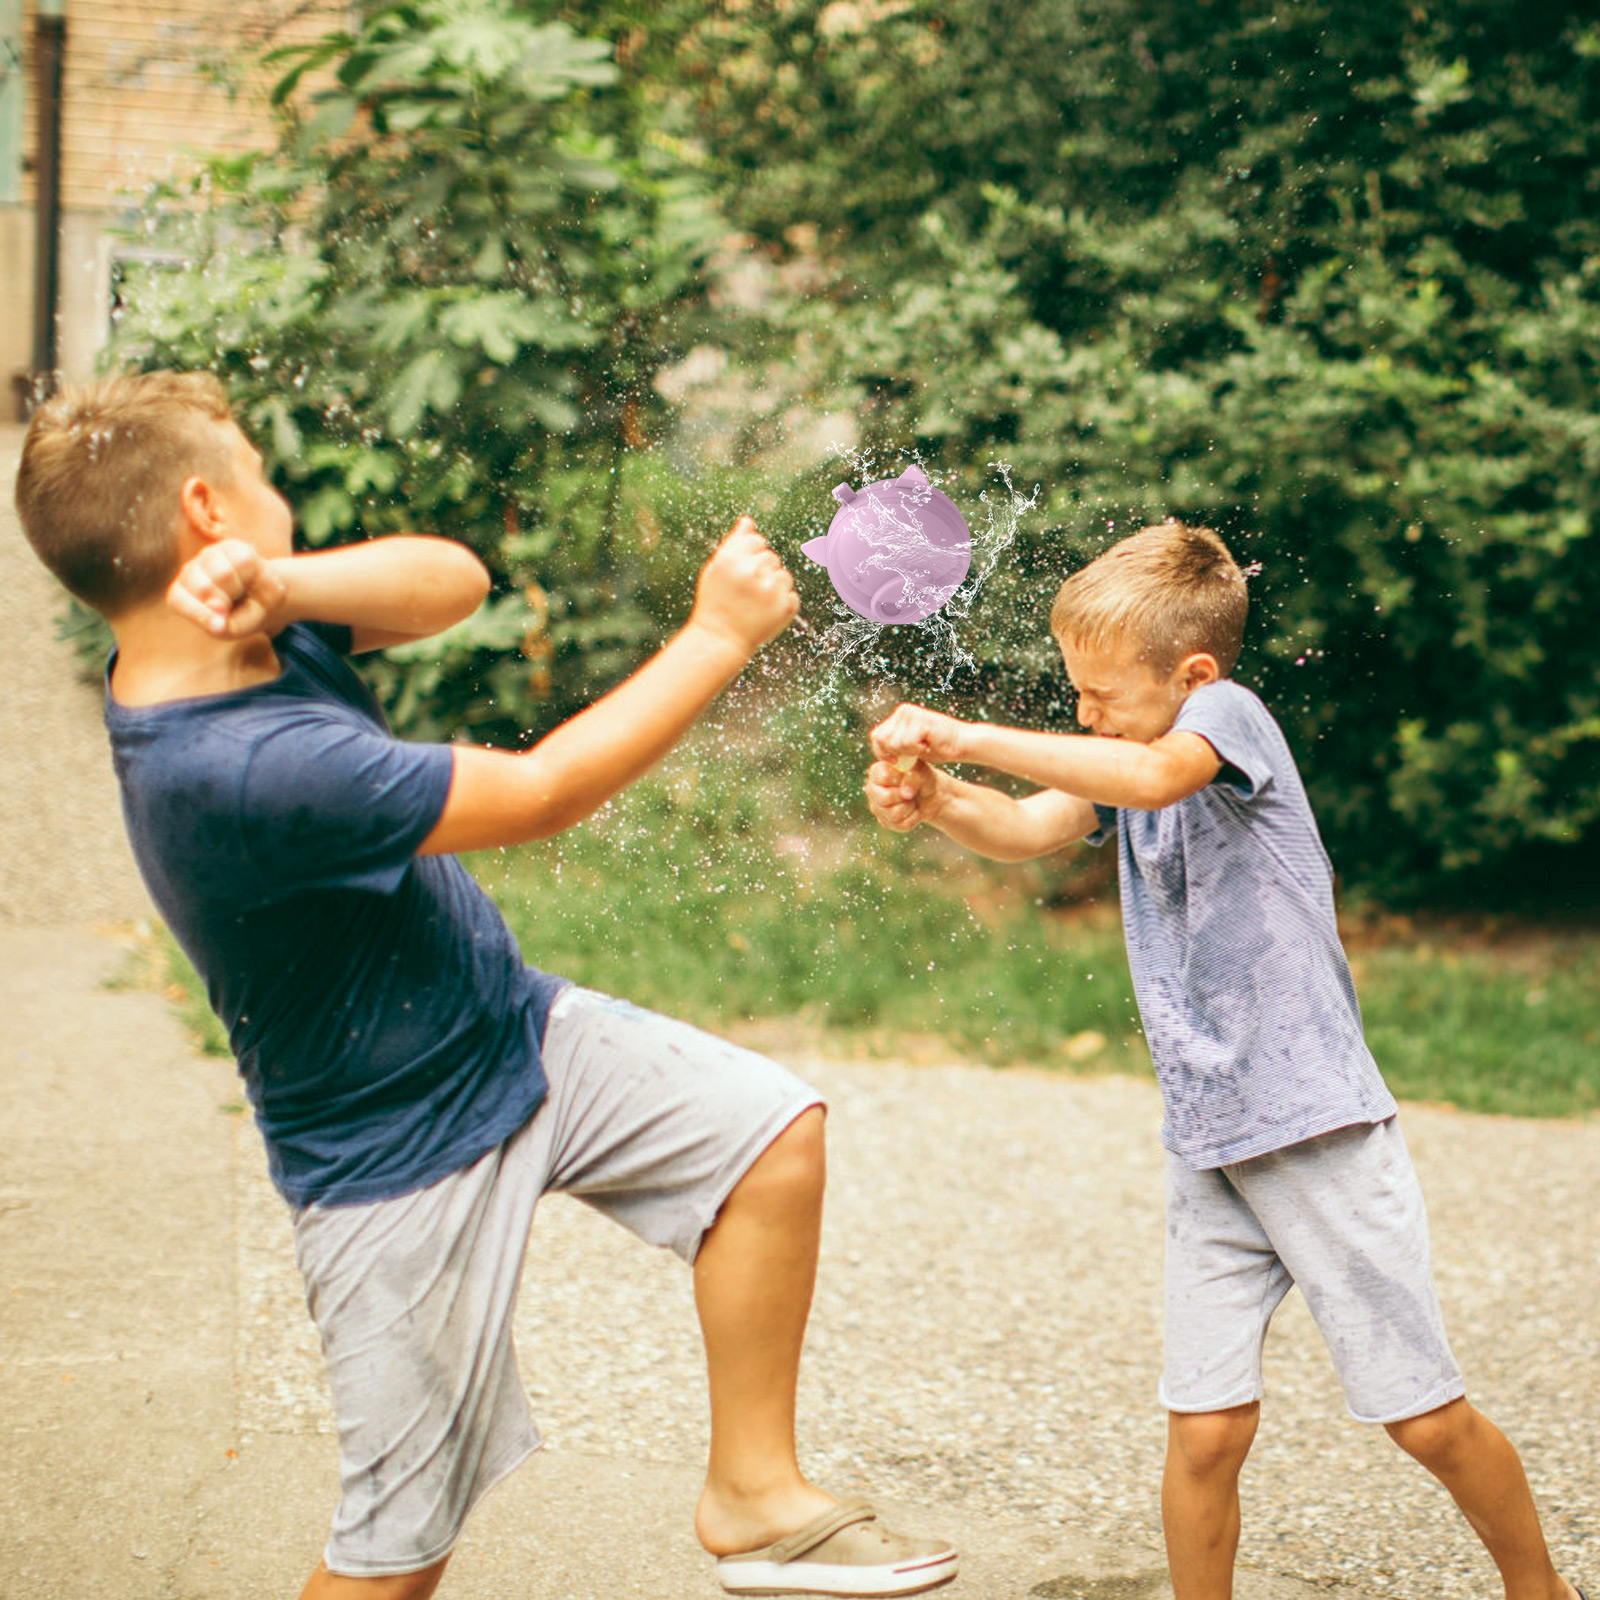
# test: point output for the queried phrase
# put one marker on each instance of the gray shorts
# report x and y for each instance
(1340, 1215)
(647, 1120)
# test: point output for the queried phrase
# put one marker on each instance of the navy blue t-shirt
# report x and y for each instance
(384, 1022)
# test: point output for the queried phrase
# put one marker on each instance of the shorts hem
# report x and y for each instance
(392, 1569)
(1189, 1409)
(1452, 1391)
(740, 1163)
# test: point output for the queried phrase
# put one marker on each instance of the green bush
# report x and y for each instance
(1325, 276)
(439, 303)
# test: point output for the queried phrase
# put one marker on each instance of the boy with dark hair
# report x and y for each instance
(1285, 1160)
(418, 1087)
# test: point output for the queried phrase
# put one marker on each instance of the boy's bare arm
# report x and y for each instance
(497, 797)
(982, 819)
(1109, 772)
(386, 591)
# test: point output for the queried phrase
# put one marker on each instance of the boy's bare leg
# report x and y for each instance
(1480, 1467)
(1200, 1497)
(753, 1279)
(325, 1585)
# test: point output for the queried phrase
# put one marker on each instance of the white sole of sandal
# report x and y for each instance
(817, 1577)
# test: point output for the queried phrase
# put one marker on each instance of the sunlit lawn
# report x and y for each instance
(668, 900)
(699, 894)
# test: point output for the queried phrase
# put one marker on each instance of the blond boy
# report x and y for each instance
(1285, 1161)
(418, 1086)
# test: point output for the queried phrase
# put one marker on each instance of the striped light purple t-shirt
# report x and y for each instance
(1242, 983)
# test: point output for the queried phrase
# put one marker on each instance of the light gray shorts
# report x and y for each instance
(647, 1120)
(1340, 1215)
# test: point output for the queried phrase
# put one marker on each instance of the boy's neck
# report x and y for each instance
(162, 657)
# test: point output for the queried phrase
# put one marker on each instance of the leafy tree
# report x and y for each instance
(440, 302)
(1326, 276)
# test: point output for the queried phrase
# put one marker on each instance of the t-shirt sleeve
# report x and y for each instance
(1105, 824)
(336, 635)
(1237, 726)
(329, 802)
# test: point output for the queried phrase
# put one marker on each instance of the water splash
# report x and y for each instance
(854, 644)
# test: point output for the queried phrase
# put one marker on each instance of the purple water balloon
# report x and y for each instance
(895, 550)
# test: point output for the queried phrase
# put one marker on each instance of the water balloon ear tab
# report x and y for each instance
(895, 550)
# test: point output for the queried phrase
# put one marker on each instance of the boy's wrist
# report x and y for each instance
(974, 744)
(288, 609)
(935, 803)
(721, 646)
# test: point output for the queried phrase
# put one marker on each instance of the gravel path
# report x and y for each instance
(986, 1331)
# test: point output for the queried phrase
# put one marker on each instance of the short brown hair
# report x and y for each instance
(102, 467)
(1169, 590)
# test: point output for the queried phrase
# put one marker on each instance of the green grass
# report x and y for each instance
(722, 891)
(159, 963)
(1487, 1026)
(684, 898)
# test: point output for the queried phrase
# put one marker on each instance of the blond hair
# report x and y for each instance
(1169, 590)
(102, 467)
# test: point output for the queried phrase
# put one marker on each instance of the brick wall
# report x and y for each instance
(147, 81)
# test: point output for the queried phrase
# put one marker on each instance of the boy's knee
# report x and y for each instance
(795, 1164)
(1436, 1436)
(1205, 1443)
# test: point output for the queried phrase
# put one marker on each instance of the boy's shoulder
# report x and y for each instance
(276, 735)
(1237, 724)
(1227, 703)
(291, 784)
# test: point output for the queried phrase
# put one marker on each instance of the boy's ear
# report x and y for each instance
(202, 511)
(1198, 669)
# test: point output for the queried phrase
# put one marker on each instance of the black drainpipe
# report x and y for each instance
(50, 51)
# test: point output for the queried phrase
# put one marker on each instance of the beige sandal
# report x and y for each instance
(846, 1551)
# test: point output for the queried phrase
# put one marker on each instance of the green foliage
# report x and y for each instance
(439, 303)
(1324, 276)
(1451, 1021)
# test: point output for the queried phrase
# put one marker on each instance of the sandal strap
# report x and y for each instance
(844, 1515)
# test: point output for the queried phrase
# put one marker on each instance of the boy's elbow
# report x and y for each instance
(474, 581)
(449, 567)
(1158, 784)
(1151, 797)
